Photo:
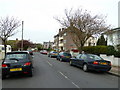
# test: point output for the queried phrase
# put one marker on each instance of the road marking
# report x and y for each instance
(49, 63)
(75, 85)
(63, 75)
(69, 79)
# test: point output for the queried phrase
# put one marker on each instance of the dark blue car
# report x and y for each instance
(17, 62)
(64, 56)
(91, 62)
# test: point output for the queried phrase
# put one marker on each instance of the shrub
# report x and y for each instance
(110, 50)
(96, 49)
(117, 54)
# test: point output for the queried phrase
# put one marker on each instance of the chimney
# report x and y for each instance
(59, 30)
(62, 29)
(16, 39)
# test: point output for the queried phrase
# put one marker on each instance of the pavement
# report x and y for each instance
(115, 70)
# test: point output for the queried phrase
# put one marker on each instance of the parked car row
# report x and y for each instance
(85, 61)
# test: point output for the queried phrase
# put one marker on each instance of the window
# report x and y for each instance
(3, 48)
(78, 56)
(83, 56)
(17, 56)
(94, 57)
(64, 34)
(64, 41)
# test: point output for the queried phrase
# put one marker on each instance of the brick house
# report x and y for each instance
(0, 41)
(63, 41)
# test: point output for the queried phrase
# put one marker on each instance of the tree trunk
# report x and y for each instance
(5, 45)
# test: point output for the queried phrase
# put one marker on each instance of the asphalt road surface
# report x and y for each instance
(51, 73)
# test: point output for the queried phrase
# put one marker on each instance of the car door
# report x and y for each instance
(76, 60)
(82, 59)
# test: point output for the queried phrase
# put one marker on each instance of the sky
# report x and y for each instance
(38, 15)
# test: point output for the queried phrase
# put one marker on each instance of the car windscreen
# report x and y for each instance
(19, 56)
(94, 57)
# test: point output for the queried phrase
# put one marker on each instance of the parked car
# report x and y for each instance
(17, 62)
(64, 56)
(53, 54)
(31, 52)
(91, 62)
(44, 52)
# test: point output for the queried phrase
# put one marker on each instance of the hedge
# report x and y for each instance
(109, 50)
(95, 49)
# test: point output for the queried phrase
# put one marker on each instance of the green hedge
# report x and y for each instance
(117, 54)
(95, 49)
(109, 50)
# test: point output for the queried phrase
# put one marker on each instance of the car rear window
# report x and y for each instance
(17, 56)
(94, 57)
(67, 54)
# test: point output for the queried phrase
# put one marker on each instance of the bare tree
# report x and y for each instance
(82, 25)
(7, 28)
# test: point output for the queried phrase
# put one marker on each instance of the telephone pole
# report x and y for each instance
(22, 36)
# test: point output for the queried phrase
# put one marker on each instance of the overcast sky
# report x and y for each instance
(39, 24)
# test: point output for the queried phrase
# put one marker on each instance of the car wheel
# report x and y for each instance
(61, 59)
(3, 77)
(85, 67)
(71, 63)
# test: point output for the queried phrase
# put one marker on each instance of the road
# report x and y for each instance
(51, 73)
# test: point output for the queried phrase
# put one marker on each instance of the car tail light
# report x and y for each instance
(4, 65)
(95, 62)
(27, 64)
(110, 64)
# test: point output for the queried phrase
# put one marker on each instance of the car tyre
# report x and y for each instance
(85, 67)
(3, 77)
(61, 60)
(71, 63)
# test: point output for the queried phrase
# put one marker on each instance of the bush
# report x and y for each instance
(117, 54)
(110, 50)
(95, 49)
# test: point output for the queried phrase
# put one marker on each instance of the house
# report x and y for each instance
(113, 38)
(0, 41)
(63, 41)
(47, 45)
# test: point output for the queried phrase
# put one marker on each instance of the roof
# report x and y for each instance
(113, 30)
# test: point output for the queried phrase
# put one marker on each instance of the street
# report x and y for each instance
(51, 73)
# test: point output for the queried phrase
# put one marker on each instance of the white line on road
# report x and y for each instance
(49, 63)
(75, 85)
(63, 74)
(68, 79)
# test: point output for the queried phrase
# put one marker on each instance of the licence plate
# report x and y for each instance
(103, 63)
(67, 56)
(16, 69)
